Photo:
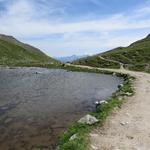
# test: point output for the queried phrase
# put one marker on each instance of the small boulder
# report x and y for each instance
(73, 137)
(101, 102)
(88, 119)
(120, 86)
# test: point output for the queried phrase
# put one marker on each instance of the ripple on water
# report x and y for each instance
(37, 104)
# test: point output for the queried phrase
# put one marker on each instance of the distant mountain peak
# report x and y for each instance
(70, 58)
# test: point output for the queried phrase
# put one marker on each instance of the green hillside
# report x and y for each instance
(16, 53)
(136, 57)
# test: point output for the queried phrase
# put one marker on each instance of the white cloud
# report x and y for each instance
(26, 19)
(25, 26)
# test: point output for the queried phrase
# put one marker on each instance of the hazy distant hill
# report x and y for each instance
(136, 56)
(14, 52)
(70, 58)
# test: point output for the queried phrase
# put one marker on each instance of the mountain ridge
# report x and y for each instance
(14, 52)
(136, 57)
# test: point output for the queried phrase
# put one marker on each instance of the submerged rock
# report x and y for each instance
(8, 120)
(38, 72)
(114, 74)
(88, 119)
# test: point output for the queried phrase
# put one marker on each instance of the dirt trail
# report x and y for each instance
(121, 64)
(127, 128)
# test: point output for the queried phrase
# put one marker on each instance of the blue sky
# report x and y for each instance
(67, 27)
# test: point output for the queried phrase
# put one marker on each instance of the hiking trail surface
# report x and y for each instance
(127, 128)
(121, 64)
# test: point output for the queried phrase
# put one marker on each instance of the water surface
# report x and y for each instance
(37, 104)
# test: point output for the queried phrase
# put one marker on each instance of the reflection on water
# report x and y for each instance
(37, 104)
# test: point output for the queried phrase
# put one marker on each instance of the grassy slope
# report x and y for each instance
(136, 56)
(13, 52)
(96, 61)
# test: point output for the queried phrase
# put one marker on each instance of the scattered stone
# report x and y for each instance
(30, 120)
(131, 79)
(8, 120)
(73, 137)
(120, 98)
(4, 108)
(130, 137)
(101, 102)
(114, 74)
(120, 86)
(128, 114)
(135, 148)
(94, 135)
(124, 123)
(125, 97)
(38, 73)
(128, 94)
(98, 103)
(113, 134)
(88, 119)
(94, 147)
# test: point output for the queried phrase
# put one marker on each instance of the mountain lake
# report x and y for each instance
(37, 104)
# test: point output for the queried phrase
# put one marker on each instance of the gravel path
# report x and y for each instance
(127, 128)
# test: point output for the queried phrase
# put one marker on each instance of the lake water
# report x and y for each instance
(37, 104)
